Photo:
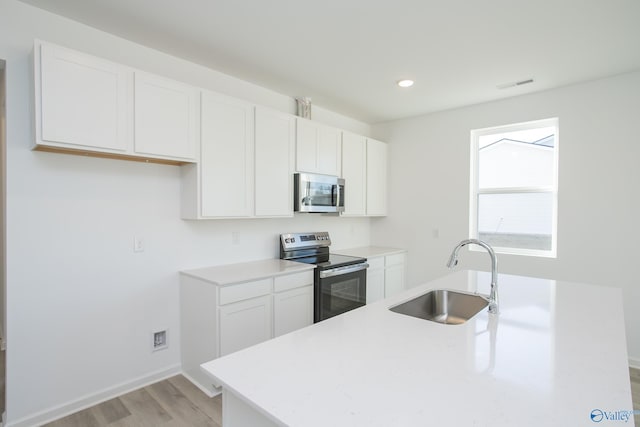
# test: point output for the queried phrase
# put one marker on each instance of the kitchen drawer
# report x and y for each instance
(377, 262)
(243, 291)
(394, 259)
(292, 281)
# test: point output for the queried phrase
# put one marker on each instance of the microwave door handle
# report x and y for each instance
(306, 199)
(338, 199)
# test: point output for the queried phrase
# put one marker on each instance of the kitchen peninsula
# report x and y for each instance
(555, 354)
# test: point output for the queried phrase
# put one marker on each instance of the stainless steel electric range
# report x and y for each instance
(340, 281)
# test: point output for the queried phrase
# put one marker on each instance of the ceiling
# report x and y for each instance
(348, 54)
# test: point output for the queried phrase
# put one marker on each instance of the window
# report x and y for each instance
(514, 187)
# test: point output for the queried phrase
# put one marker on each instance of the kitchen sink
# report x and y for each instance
(443, 306)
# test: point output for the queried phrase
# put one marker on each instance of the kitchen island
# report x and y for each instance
(554, 356)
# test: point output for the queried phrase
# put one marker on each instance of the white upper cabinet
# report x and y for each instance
(364, 169)
(92, 106)
(226, 156)
(329, 151)
(81, 101)
(274, 157)
(354, 172)
(246, 162)
(238, 158)
(306, 146)
(165, 117)
(376, 178)
(318, 148)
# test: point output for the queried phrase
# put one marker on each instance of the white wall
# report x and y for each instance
(81, 303)
(599, 188)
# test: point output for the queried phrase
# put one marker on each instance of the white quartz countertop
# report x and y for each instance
(555, 353)
(246, 271)
(369, 251)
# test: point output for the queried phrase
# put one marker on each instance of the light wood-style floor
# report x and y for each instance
(635, 391)
(176, 402)
(3, 364)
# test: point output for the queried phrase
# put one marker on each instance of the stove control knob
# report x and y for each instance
(293, 240)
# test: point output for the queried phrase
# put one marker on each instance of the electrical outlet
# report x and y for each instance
(160, 341)
(138, 244)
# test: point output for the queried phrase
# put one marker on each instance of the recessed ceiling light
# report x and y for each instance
(405, 83)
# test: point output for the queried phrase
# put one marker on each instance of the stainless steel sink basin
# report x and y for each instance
(443, 306)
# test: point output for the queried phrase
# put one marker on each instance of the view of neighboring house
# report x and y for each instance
(516, 219)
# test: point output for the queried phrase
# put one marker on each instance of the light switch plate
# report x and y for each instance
(138, 244)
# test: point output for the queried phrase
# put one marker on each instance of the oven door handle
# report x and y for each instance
(343, 270)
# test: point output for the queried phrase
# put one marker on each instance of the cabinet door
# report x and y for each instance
(80, 101)
(317, 148)
(306, 146)
(165, 119)
(375, 284)
(226, 156)
(292, 310)
(393, 280)
(354, 158)
(244, 323)
(376, 178)
(329, 154)
(274, 151)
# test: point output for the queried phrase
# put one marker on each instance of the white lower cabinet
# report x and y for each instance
(244, 323)
(216, 320)
(375, 279)
(385, 276)
(394, 278)
(292, 310)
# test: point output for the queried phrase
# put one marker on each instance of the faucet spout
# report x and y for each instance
(493, 295)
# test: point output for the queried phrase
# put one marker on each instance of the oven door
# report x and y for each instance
(339, 290)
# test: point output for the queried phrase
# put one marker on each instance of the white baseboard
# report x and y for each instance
(60, 411)
(634, 363)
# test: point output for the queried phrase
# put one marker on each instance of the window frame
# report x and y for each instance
(475, 192)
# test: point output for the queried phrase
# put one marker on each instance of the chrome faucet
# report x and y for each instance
(493, 296)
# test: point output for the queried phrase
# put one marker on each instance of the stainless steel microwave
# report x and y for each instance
(317, 193)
